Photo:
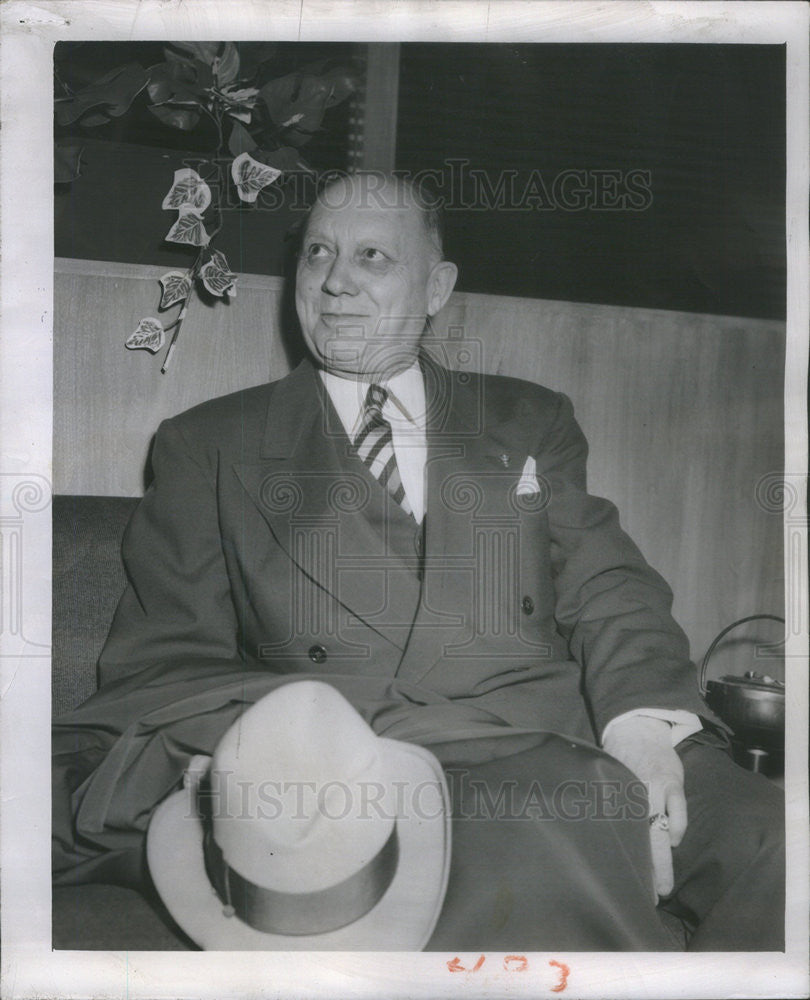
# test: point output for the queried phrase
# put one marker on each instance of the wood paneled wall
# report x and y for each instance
(683, 412)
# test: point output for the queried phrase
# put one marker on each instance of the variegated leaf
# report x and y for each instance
(242, 116)
(176, 286)
(250, 176)
(218, 280)
(188, 189)
(148, 337)
(219, 260)
(226, 65)
(240, 95)
(189, 228)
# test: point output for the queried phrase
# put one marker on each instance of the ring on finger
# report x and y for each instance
(659, 821)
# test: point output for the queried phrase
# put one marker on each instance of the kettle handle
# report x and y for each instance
(722, 635)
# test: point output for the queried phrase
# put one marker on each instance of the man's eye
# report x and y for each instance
(370, 253)
(316, 251)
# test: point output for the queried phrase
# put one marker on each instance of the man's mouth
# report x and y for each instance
(335, 319)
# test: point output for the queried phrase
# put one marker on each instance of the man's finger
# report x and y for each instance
(676, 811)
(663, 877)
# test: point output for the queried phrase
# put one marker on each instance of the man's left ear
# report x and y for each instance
(441, 282)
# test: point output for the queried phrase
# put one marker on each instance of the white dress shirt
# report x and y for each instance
(405, 411)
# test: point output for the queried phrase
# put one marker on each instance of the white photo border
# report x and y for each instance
(30, 967)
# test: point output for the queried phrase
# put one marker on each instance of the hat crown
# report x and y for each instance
(296, 785)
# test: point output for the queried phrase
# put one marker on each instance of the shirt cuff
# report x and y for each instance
(683, 723)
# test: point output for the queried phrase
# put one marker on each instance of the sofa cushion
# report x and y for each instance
(88, 580)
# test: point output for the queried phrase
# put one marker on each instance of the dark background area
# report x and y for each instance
(704, 123)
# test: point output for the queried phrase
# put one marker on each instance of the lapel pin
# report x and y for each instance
(505, 460)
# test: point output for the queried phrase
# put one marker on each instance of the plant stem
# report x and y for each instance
(177, 324)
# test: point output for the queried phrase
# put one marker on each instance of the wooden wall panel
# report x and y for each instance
(108, 401)
(683, 412)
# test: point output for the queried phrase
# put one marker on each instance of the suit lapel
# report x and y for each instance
(471, 468)
(311, 503)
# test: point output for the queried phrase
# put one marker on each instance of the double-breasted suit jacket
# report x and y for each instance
(264, 542)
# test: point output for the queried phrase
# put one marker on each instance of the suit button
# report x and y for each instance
(527, 605)
(317, 653)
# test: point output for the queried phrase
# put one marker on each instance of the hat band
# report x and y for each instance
(293, 913)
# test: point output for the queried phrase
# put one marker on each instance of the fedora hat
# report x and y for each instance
(305, 831)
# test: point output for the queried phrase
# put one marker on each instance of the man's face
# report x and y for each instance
(365, 281)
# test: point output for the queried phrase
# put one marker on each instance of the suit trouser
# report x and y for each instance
(551, 851)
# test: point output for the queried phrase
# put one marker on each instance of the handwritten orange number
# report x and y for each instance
(564, 971)
(516, 963)
(454, 965)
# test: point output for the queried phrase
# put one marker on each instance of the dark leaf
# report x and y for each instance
(204, 51)
(177, 82)
(342, 84)
(252, 55)
(205, 78)
(176, 117)
(226, 65)
(341, 80)
(295, 137)
(94, 119)
(240, 140)
(296, 100)
(115, 92)
(67, 163)
(285, 159)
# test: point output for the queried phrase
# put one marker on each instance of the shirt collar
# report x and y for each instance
(404, 407)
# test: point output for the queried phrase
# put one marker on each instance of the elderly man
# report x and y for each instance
(423, 540)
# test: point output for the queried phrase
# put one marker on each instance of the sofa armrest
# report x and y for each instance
(88, 580)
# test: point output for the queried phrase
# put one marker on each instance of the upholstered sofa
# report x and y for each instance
(88, 579)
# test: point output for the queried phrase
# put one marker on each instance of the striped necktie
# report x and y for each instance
(375, 446)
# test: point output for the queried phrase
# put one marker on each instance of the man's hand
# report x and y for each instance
(644, 745)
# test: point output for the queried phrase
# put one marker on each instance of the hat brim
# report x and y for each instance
(402, 920)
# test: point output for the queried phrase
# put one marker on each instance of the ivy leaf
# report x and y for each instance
(176, 286)
(175, 116)
(250, 176)
(67, 163)
(188, 189)
(189, 228)
(240, 140)
(216, 276)
(148, 337)
(113, 94)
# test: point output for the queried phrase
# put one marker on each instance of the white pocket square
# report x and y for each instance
(528, 478)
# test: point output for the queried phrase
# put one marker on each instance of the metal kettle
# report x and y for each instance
(753, 705)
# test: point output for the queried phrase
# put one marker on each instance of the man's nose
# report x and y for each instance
(339, 279)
